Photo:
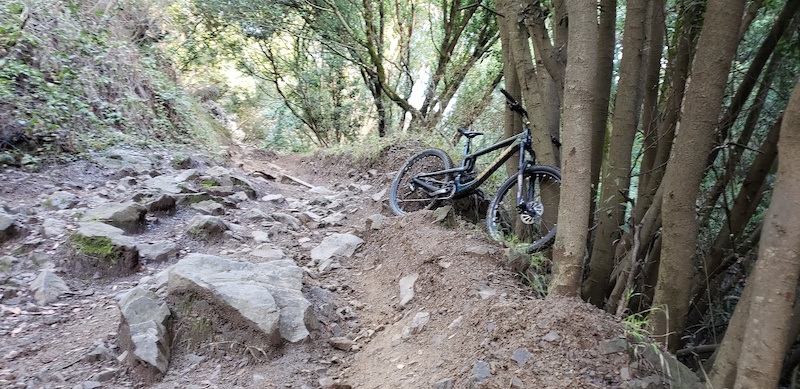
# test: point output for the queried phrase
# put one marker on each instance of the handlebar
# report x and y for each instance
(513, 104)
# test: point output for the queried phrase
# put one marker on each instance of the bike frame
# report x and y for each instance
(520, 143)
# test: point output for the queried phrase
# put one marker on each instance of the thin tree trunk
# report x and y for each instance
(652, 72)
(750, 125)
(616, 180)
(774, 279)
(532, 91)
(715, 51)
(512, 123)
(678, 74)
(573, 212)
(602, 88)
(751, 77)
(744, 207)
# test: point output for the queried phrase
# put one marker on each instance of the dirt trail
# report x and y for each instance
(471, 322)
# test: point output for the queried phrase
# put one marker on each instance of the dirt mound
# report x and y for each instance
(479, 314)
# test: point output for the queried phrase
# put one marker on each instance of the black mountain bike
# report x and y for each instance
(522, 214)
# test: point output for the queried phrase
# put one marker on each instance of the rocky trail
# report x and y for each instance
(135, 269)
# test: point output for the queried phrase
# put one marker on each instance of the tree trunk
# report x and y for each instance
(532, 91)
(774, 279)
(573, 212)
(602, 92)
(654, 47)
(512, 123)
(715, 51)
(616, 178)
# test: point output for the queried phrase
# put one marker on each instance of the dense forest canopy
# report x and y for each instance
(677, 120)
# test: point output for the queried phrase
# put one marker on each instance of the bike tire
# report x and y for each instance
(404, 197)
(503, 221)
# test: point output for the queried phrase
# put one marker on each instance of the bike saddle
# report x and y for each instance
(469, 134)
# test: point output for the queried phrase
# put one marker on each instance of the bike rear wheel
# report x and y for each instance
(407, 196)
(532, 230)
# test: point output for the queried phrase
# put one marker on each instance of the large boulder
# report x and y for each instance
(210, 228)
(264, 300)
(104, 248)
(47, 287)
(145, 333)
(129, 216)
(8, 228)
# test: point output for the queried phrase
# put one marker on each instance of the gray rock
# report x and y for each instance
(377, 222)
(321, 190)
(145, 332)
(268, 252)
(516, 382)
(480, 372)
(129, 216)
(551, 336)
(343, 245)
(8, 228)
(53, 227)
(105, 248)
(266, 296)
(612, 346)
(126, 162)
(226, 177)
(166, 184)
(308, 216)
(260, 236)
(255, 214)
(47, 287)
(160, 251)
(379, 196)
(419, 322)
(207, 227)
(341, 343)
(287, 219)
(673, 371)
(447, 383)
(334, 219)
(238, 197)
(407, 288)
(275, 198)
(209, 207)
(164, 203)
(186, 175)
(61, 200)
(521, 356)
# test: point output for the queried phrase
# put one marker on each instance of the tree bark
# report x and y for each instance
(616, 178)
(774, 278)
(602, 92)
(702, 105)
(573, 212)
(532, 91)
(655, 48)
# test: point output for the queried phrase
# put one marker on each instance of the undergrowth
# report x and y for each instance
(82, 76)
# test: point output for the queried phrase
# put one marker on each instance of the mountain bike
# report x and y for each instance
(524, 210)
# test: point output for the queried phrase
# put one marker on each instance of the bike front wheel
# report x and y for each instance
(529, 222)
(411, 193)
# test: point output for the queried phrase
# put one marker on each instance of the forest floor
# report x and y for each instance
(471, 323)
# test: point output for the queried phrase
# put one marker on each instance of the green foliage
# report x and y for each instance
(538, 274)
(98, 247)
(75, 76)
